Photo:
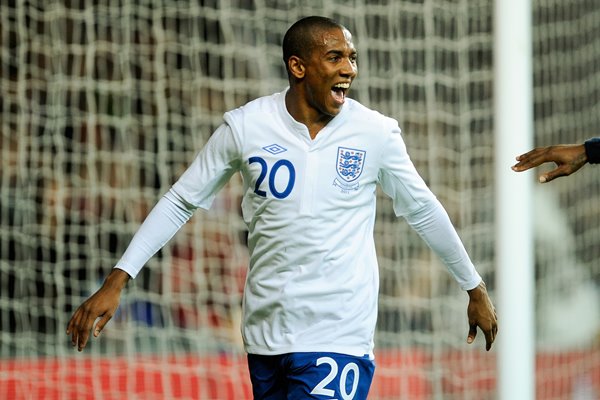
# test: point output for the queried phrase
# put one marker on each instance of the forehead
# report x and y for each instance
(333, 39)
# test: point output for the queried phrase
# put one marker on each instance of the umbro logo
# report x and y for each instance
(274, 149)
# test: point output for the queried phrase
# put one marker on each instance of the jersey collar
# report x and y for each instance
(301, 129)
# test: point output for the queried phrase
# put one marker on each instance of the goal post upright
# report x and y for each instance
(513, 114)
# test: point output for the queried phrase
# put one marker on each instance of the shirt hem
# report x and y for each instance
(352, 351)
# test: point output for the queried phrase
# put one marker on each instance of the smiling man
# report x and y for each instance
(310, 159)
(321, 64)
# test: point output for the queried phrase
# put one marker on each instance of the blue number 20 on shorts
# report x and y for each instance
(310, 376)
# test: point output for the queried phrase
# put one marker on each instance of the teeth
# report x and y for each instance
(342, 85)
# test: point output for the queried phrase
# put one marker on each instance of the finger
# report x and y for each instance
(525, 164)
(73, 327)
(529, 160)
(530, 154)
(100, 325)
(472, 333)
(489, 339)
(551, 175)
(85, 326)
(70, 325)
(82, 340)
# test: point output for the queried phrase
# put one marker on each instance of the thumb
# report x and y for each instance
(101, 324)
(547, 177)
(555, 173)
(472, 333)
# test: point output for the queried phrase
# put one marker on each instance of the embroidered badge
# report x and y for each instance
(349, 166)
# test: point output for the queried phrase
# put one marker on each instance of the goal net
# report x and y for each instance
(103, 106)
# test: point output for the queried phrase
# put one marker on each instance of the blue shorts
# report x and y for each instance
(310, 376)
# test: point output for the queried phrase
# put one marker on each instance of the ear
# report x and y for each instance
(296, 67)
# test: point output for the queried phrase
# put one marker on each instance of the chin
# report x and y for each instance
(334, 110)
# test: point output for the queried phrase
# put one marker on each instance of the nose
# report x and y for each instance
(349, 68)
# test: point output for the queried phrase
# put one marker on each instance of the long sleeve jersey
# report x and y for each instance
(309, 205)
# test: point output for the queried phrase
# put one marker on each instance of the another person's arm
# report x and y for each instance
(569, 158)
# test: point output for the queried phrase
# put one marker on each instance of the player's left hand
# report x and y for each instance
(482, 313)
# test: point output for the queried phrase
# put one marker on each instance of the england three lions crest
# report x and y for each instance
(349, 166)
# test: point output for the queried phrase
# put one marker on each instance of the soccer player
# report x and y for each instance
(310, 159)
(567, 157)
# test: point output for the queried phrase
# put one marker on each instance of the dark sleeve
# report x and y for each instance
(592, 150)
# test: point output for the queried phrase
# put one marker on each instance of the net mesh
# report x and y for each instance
(105, 103)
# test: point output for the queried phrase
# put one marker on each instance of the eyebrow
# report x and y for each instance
(340, 52)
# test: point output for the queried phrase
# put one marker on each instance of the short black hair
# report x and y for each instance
(299, 40)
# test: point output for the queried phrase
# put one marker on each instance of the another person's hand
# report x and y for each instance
(482, 314)
(568, 158)
(101, 304)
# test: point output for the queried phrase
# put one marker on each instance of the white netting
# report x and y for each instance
(104, 104)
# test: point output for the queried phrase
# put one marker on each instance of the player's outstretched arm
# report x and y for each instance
(101, 304)
(166, 218)
(482, 314)
(567, 157)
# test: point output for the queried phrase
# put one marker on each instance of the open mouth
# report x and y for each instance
(339, 92)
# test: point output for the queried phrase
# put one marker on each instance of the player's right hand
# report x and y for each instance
(101, 304)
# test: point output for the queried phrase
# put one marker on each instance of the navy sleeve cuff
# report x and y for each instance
(592, 150)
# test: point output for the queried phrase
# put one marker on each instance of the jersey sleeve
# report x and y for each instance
(211, 169)
(398, 176)
(166, 218)
(434, 226)
(592, 150)
(196, 188)
(414, 201)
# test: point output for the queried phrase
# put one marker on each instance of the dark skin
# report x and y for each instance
(101, 304)
(313, 100)
(568, 158)
(310, 99)
(481, 314)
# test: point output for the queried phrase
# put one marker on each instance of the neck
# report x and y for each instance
(304, 113)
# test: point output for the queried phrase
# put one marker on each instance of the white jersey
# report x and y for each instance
(309, 205)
